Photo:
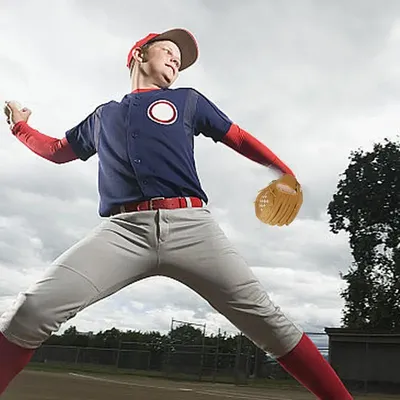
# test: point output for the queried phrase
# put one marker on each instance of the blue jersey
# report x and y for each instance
(145, 144)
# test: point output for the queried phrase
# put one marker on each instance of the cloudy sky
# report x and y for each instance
(312, 79)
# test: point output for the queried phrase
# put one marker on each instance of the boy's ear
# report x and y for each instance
(137, 55)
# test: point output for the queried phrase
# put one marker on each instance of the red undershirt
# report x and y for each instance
(60, 151)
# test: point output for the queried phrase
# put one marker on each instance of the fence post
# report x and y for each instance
(167, 355)
(256, 362)
(247, 368)
(77, 355)
(169, 342)
(203, 343)
(216, 357)
(149, 360)
(366, 367)
(118, 354)
(237, 359)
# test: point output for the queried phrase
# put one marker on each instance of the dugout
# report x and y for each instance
(366, 361)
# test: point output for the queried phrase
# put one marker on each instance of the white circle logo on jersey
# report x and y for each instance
(162, 112)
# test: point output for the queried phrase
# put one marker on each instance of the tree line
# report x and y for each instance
(179, 338)
(366, 207)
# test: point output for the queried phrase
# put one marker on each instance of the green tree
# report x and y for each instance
(366, 207)
(187, 334)
(109, 338)
(70, 337)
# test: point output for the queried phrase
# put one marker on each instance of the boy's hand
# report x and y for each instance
(15, 113)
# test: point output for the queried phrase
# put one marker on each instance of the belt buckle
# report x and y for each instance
(154, 198)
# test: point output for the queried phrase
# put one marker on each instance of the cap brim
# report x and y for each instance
(185, 41)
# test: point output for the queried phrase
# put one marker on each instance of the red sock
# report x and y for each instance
(13, 359)
(308, 366)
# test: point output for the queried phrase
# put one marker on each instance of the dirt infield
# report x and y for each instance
(35, 385)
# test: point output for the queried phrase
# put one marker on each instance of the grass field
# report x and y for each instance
(33, 384)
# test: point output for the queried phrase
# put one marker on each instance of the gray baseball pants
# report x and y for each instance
(184, 244)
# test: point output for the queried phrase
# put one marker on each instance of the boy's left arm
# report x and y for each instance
(280, 201)
(247, 145)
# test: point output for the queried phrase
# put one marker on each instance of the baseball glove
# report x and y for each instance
(279, 202)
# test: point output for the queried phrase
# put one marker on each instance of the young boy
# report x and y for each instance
(155, 217)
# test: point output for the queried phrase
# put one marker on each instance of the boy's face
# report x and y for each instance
(162, 61)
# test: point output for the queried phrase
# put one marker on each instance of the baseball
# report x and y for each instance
(7, 109)
(285, 188)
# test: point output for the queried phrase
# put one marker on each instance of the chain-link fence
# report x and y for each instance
(241, 363)
(186, 362)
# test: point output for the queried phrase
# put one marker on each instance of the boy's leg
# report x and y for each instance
(117, 253)
(201, 257)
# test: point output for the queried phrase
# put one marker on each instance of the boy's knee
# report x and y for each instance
(31, 320)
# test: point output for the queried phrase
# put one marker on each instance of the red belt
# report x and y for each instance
(158, 203)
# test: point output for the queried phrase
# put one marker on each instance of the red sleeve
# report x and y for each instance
(250, 147)
(58, 151)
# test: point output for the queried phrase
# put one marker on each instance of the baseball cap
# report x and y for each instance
(181, 37)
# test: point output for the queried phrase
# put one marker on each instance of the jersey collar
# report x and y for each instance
(145, 90)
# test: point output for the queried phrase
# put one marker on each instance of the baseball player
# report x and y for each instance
(155, 219)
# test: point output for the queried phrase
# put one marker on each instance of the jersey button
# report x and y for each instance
(137, 160)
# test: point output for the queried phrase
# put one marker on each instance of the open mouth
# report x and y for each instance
(172, 68)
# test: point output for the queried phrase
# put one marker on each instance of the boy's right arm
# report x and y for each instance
(55, 150)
